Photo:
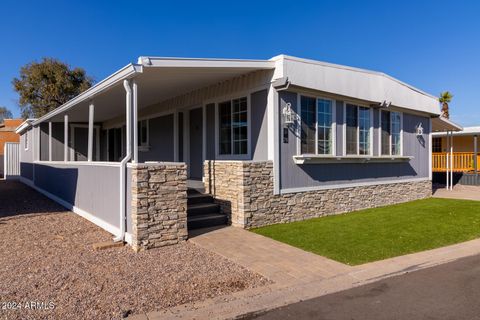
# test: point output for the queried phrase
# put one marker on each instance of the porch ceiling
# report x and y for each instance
(155, 84)
(441, 124)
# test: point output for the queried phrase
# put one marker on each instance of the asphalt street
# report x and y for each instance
(449, 291)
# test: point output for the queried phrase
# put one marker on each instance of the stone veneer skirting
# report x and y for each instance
(159, 205)
(244, 190)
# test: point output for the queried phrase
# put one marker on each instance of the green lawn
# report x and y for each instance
(380, 233)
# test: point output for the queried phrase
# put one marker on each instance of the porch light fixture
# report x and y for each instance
(288, 115)
(419, 129)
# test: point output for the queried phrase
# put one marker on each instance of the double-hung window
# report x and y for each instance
(233, 127)
(317, 128)
(143, 134)
(358, 132)
(391, 138)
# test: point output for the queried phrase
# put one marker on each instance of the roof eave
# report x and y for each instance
(167, 62)
(124, 73)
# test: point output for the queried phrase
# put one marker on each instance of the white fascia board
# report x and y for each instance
(124, 73)
(24, 125)
(356, 83)
(166, 62)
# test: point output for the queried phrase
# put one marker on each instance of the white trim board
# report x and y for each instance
(84, 214)
(350, 185)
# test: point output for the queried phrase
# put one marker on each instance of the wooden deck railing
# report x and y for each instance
(462, 161)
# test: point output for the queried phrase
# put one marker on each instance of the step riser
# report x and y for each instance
(197, 200)
(217, 221)
(214, 208)
(199, 206)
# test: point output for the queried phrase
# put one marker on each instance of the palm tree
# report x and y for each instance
(445, 98)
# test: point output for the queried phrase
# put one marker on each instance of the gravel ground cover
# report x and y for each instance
(46, 256)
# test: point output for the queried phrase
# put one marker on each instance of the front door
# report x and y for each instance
(196, 143)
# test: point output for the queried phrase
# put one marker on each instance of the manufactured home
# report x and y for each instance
(166, 145)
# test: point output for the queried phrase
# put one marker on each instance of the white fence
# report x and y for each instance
(11, 167)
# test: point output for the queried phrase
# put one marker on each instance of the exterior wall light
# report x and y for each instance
(288, 115)
(419, 129)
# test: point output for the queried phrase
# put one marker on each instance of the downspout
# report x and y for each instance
(123, 163)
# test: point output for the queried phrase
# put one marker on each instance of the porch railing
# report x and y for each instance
(462, 161)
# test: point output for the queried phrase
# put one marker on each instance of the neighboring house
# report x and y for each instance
(8, 134)
(461, 149)
(271, 141)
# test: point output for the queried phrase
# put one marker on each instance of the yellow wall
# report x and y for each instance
(461, 144)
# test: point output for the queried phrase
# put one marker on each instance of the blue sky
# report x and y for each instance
(433, 45)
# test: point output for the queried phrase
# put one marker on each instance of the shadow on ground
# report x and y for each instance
(17, 198)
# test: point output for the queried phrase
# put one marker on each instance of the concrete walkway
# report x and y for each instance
(273, 260)
(459, 192)
(279, 262)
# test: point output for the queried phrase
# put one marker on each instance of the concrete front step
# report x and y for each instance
(196, 198)
(202, 208)
(206, 220)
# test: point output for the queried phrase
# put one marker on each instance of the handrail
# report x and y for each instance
(462, 161)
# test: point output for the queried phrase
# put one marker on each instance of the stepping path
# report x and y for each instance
(279, 262)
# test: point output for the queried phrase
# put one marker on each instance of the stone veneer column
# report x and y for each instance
(224, 180)
(159, 205)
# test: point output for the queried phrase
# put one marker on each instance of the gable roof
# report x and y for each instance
(367, 85)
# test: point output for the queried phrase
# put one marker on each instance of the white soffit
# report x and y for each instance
(440, 125)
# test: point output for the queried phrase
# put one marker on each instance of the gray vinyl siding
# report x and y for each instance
(376, 132)
(294, 176)
(26, 156)
(93, 189)
(128, 199)
(210, 131)
(340, 124)
(103, 145)
(160, 140)
(259, 122)
(57, 141)
(58, 130)
(180, 137)
(44, 141)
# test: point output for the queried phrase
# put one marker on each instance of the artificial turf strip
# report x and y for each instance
(375, 234)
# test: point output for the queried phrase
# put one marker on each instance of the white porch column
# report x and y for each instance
(135, 121)
(50, 141)
(451, 160)
(65, 138)
(447, 160)
(91, 110)
(475, 154)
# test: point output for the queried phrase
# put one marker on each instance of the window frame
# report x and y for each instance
(231, 155)
(333, 126)
(371, 130)
(390, 135)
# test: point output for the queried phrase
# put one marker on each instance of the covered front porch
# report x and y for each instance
(455, 155)
(133, 147)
